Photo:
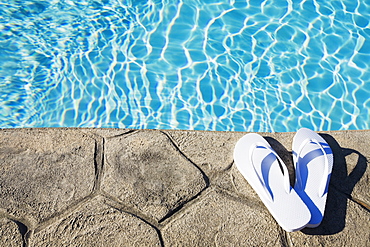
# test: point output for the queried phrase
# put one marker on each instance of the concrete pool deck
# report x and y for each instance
(117, 187)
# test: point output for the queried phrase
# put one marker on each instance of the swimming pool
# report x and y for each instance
(205, 65)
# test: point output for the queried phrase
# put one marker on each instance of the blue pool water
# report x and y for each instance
(274, 65)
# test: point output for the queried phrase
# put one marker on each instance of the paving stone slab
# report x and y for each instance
(9, 234)
(221, 220)
(146, 171)
(42, 171)
(345, 223)
(97, 224)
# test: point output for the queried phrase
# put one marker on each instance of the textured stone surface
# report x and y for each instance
(105, 132)
(43, 171)
(212, 151)
(147, 191)
(345, 223)
(221, 220)
(10, 234)
(353, 139)
(97, 224)
(234, 182)
(145, 170)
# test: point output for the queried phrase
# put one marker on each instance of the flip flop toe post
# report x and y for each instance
(268, 176)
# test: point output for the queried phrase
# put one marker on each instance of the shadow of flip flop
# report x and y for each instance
(340, 188)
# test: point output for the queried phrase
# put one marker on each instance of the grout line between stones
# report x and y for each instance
(67, 211)
(181, 206)
(134, 213)
(174, 214)
(205, 177)
(199, 194)
(98, 163)
(128, 209)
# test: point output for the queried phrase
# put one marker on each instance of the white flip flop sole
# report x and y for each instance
(313, 161)
(259, 164)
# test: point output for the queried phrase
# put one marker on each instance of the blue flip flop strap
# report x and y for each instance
(323, 183)
(262, 180)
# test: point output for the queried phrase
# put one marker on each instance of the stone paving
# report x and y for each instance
(117, 187)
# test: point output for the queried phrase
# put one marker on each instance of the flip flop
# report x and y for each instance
(268, 176)
(313, 161)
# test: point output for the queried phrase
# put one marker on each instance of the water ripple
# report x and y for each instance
(222, 65)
